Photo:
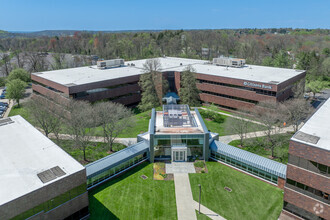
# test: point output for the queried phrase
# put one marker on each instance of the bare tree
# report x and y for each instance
(59, 61)
(114, 118)
(6, 65)
(20, 58)
(37, 62)
(239, 126)
(80, 122)
(267, 112)
(47, 117)
(295, 111)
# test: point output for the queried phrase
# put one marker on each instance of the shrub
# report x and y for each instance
(199, 164)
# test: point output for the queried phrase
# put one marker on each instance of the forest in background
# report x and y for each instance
(307, 49)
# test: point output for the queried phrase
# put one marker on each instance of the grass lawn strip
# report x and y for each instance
(131, 197)
(250, 198)
(202, 216)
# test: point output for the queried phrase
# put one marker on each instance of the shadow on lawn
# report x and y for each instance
(118, 178)
(97, 209)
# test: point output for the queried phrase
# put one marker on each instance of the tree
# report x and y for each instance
(59, 61)
(114, 118)
(15, 89)
(5, 62)
(19, 74)
(238, 126)
(189, 94)
(45, 115)
(81, 119)
(36, 62)
(282, 60)
(152, 85)
(267, 112)
(295, 111)
(315, 87)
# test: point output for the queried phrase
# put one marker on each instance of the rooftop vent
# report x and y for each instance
(228, 61)
(5, 121)
(51, 174)
(110, 63)
(306, 137)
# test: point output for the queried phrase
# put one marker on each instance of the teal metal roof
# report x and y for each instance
(249, 158)
(114, 159)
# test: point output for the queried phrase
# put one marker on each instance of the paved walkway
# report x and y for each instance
(228, 138)
(180, 167)
(184, 200)
(124, 141)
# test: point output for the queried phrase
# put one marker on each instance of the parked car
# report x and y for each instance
(2, 96)
(4, 104)
(3, 108)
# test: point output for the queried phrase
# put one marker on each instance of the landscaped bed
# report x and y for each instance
(131, 197)
(250, 198)
(160, 172)
(200, 166)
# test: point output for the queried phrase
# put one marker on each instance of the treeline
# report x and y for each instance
(306, 49)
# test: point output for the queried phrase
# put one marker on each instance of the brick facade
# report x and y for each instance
(280, 183)
(310, 153)
(307, 203)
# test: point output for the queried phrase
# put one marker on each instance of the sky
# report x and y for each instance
(37, 15)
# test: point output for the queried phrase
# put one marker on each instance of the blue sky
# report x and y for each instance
(34, 15)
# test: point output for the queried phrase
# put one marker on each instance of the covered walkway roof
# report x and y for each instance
(115, 159)
(251, 159)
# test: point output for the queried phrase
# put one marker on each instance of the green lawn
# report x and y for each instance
(214, 108)
(250, 198)
(94, 151)
(22, 111)
(256, 147)
(131, 197)
(201, 216)
(141, 126)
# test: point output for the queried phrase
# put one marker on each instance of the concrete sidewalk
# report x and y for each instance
(228, 138)
(209, 213)
(184, 200)
(124, 141)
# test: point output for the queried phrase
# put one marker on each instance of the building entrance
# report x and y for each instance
(179, 153)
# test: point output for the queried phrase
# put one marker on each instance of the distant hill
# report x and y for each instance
(52, 33)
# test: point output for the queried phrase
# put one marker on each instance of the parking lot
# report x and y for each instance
(4, 103)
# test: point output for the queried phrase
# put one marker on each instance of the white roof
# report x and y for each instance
(25, 152)
(90, 74)
(318, 125)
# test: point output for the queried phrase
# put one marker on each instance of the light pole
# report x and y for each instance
(200, 193)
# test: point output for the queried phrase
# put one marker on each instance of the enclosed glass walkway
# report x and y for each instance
(116, 163)
(257, 165)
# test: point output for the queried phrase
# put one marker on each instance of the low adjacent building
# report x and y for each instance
(307, 188)
(38, 179)
(231, 86)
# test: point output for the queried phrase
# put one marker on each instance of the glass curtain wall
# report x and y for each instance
(107, 174)
(163, 144)
(243, 166)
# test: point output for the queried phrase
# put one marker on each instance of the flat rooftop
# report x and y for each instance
(177, 119)
(25, 152)
(89, 74)
(316, 131)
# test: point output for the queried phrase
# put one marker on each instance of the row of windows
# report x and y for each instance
(188, 142)
(53, 203)
(307, 190)
(230, 97)
(245, 167)
(259, 91)
(114, 170)
(309, 165)
(302, 213)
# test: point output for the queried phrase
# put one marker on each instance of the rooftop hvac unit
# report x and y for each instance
(103, 64)
(228, 61)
